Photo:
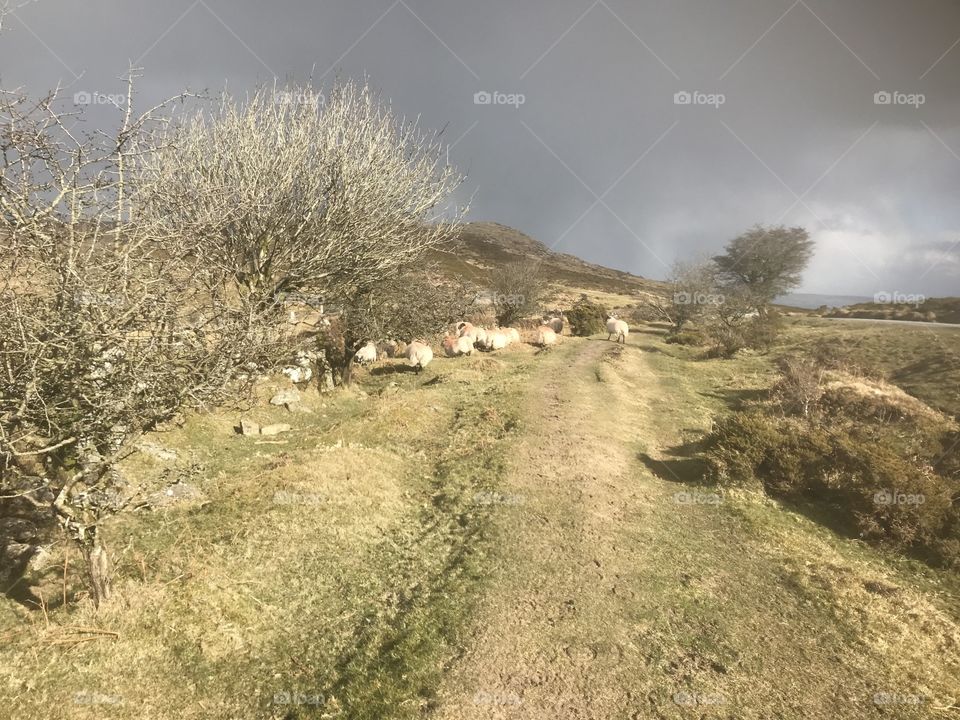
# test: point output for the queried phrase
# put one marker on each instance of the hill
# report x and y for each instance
(938, 310)
(484, 246)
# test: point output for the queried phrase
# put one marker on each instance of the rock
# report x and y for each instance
(157, 451)
(177, 494)
(274, 429)
(248, 427)
(289, 398)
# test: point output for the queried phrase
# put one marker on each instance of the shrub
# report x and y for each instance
(587, 317)
(687, 337)
(871, 488)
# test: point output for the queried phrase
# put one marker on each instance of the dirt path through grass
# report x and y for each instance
(619, 593)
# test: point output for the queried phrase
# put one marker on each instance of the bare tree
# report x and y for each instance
(290, 191)
(691, 292)
(517, 289)
(105, 329)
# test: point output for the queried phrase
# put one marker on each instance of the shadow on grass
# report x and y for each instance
(736, 399)
(680, 464)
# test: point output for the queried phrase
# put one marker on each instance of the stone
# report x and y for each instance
(157, 451)
(288, 398)
(248, 427)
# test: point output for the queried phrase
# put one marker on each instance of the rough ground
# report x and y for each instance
(508, 536)
(621, 592)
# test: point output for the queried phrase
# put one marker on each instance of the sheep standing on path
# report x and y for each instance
(618, 328)
(419, 355)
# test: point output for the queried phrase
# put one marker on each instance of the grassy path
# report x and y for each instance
(620, 592)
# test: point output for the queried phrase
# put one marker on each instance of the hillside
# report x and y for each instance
(484, 246)
(939, 310)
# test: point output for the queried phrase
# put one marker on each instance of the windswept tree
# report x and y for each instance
(288, 191)
(765, 262)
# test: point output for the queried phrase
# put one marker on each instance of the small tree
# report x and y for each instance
(105, 329)
(587, 317)
(517, 289)
(692, 288)
(290, 191)
(414, 305)
(765, 262)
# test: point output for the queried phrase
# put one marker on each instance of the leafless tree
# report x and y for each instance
(105, 328)
(288, 191)
(692, 289)
(517, 289)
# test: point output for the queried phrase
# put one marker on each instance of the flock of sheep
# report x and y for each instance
(470, 337)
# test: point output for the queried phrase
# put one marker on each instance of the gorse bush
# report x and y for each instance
(587, 317)
(881, 468)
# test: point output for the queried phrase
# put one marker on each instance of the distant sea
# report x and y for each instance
(811, 301)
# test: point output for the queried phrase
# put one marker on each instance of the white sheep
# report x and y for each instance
(546, 336)
(496, 340)
(456, 346)
(618, 328)
(513, 335)
(481, 336)
(419, 355)
(366, 354)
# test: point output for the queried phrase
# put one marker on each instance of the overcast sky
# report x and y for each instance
(602, 158)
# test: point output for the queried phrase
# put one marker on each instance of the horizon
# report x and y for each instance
(628, 136)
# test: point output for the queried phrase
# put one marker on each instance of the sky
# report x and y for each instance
(631, 133)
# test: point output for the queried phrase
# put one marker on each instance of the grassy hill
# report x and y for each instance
(484, 246)
(940, 310)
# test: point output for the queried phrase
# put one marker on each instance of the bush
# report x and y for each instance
(869, 485)
(686, 337)
(587, 317)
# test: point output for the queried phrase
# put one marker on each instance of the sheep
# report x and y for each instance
(367, 354)
(618, 328)
(555, 322)
(388, 349)
(481, 336)
(513, 335)
(496, 340)
(419, 355)
(456, 346)
(546, 336)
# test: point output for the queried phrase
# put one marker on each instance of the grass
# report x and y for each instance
(510, 535)
(334, 570)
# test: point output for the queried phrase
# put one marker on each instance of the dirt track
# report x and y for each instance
(623, 594)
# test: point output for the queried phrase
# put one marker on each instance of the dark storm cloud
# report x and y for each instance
(599, 159)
